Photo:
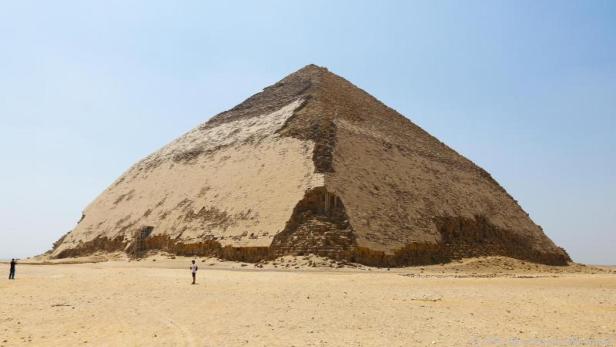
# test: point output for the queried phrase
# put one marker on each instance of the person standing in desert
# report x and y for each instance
(193, 269)
(12, 269)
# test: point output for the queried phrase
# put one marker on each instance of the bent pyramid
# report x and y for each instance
(312, 164)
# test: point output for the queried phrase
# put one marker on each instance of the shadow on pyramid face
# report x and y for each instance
(319, 225)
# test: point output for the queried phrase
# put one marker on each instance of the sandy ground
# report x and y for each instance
(486, 302)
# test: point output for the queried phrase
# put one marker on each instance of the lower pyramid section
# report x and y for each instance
(319, 225)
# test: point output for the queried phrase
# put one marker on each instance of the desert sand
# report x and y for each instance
(307, 301)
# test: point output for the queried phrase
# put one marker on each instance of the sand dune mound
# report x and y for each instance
(497, 264)
(312, 164)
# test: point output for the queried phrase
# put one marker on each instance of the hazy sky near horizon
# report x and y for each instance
(525, 89)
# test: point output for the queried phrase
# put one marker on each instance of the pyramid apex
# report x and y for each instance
(314, 67)
(310, 72)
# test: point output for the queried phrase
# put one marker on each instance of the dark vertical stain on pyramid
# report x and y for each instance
(312, 164)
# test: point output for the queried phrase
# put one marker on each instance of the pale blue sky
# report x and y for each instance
(526, 89)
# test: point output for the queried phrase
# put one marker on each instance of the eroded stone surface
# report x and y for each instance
(239, 191)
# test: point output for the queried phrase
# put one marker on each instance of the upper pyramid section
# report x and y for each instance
(312, 164)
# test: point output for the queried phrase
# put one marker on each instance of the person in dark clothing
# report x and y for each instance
(193, 269)
(12, 271)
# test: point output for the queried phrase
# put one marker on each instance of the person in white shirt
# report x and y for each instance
(193, 269)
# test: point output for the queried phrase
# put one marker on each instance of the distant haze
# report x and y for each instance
(525, 89)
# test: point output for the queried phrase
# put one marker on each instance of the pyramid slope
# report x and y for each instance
(312, 164)
(211, 184)
(403, 186)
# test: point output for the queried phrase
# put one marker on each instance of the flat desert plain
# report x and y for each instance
(307, 301)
